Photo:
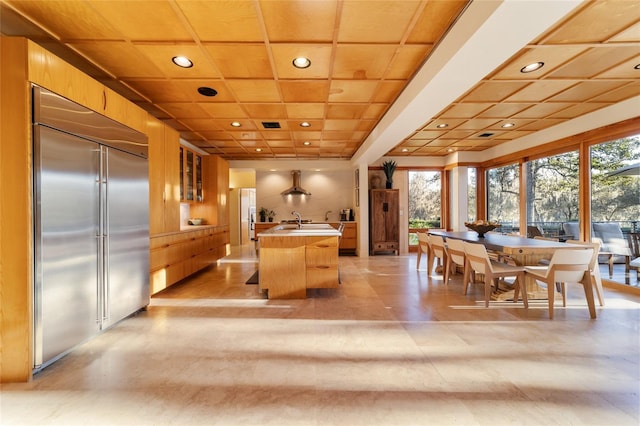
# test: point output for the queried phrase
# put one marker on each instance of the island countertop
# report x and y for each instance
(306, 230)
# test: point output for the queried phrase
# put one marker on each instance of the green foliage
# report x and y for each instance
(389, 168)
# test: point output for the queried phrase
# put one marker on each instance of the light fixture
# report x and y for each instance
(305, 124)
(507, 125)
(301, 62)
(450, 150)
(405, 149)
(442, 125)
(532, 67)
(258, 149)
(307, 143)
(235, 124)
(182, 61)
(637, 67)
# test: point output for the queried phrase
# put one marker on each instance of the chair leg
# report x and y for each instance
(487, 289)
(563, 292)
(588, 292)
(520, 287)
(447, 270)
(595, 274)
(466, 277)
(551, 291)
(419, 257)
(610, 265)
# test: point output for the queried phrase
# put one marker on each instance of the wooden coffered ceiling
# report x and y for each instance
(363, 54)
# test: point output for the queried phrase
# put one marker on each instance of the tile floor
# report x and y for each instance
(389, 347)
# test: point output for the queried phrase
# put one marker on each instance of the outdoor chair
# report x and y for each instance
(571, 230)
(613, 244)
(477, 260)
(634, 245)
(534, 231)
(566, 266)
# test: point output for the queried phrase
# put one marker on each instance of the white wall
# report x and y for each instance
(330, 191)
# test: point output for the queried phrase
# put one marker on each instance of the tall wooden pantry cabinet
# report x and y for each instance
(384, 218)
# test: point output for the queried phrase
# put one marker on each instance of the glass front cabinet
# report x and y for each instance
(190, 176)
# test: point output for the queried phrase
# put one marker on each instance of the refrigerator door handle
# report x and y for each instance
(105, 233)
(100, 238)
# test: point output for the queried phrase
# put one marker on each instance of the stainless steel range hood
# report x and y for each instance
(296, 189)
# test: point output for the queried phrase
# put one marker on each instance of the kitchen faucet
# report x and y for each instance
(298, 217)
(326, 215)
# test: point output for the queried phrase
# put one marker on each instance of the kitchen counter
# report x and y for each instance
(293, 260)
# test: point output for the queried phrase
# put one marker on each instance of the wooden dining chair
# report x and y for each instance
(593, 266)
(455, 257)
(436, 251)
(423, 247)
(477, 260)
(566, 266)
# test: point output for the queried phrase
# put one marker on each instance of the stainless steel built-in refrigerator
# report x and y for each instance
(91, 217)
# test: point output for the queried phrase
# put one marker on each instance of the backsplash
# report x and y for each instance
(330, 191)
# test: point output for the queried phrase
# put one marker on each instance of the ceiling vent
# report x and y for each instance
(295, 189)
(270, 124)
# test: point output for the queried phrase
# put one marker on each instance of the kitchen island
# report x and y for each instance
(294, 258)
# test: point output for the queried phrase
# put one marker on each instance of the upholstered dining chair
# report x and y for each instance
(478, 261)
(455, 257)
(437, 251)
(593, 266)
(423, 247)
(566, 266)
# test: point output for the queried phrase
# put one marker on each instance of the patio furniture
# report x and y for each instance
(571, 230)
(634, 245)
(534, 231)
(566, 266)
(613, 244)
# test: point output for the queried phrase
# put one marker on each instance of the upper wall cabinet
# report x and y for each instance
(190, 176)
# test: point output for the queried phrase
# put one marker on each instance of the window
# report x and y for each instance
(552, 192)
(503, 202)
(424, 201)
(472, 190)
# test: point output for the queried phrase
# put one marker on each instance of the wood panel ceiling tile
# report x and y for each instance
(340, 124)
(198, 124)
(552, 56)
(541, 124)
(218, 135)
(362, 61)
(465, 110)
(542, 110)
(254, 90)
(223, 110)
(345, 110)
(375, 111)
(541, 90)
(304, 91)
(406, 61)
(387, 22)
(493, 91)
(276, 111)
(305, 111)
(388, 91)
(597, 22)
(578, 110)
(352, 91)
(305, 135)
(514, 134)
(300, 21)
(240, 60)
(629, 35)
(624, 92)
(595, 61)
(504, 110)
(475, 123)
(586, 90)
(460, 133)
(232, 21)
(273, 135)
(625, 70)
(184, 110)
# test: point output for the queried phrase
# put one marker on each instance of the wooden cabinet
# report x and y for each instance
(384, 218)
(177, 255)
(321, 260)
(349, 239)
(214, 207)
(190, 176)
(164, 197)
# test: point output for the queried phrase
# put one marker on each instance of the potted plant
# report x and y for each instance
(389, 168)
(263, 214)
(270, 215)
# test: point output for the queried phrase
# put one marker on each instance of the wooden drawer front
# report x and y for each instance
(348, 243)
(385, 246)
(321, 242)
(321, 257)
(322, 277)
(158, 258)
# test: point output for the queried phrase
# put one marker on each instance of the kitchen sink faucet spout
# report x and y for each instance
(298, 217)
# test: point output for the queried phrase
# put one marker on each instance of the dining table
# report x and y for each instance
(524, 252)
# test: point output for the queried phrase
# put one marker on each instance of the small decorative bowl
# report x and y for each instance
(482, 229)
(195, 221)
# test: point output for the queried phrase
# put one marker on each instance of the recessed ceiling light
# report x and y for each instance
(182, 61)
(450, 150)
(306, 143)
(405, 150)
(207, 91)
(637, 67)
(301, 62)
(235, 124)
(507, 125)
(442, 125)
(305, 124)
(258, 149)
(532, 67)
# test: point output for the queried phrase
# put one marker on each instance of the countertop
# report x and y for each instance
(307, 230)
